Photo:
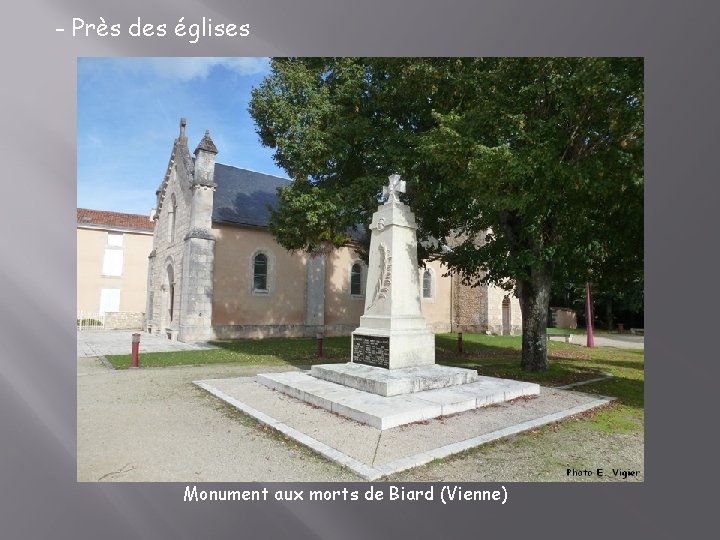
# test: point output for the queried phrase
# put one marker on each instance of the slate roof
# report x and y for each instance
(114, 220)
(242, 196)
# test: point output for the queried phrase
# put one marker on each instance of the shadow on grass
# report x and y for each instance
(626, 364)
(494, 356)
(499, 356)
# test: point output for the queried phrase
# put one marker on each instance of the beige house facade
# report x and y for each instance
(112, 251)
(215, 271)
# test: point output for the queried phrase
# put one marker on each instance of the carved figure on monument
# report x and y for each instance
(382, 287)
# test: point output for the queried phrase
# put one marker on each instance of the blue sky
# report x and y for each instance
(128, 112)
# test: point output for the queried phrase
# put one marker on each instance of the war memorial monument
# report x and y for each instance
(392, 378)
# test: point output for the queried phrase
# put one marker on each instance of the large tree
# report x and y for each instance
(520, 171)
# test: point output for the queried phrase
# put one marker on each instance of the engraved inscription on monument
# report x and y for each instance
(371, 350)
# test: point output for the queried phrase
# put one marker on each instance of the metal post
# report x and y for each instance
(319, 350)
(589, 316)
(460, 343)
(135, 350)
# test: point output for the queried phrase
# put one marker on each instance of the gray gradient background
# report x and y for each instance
(39, 497)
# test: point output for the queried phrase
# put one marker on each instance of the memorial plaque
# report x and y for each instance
(371, 350)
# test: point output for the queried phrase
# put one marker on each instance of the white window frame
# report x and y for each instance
(115, 239)
(106, 296)
(113, 258)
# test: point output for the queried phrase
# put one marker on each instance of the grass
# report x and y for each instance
(265, 352)
(495, 356)
(579, 331)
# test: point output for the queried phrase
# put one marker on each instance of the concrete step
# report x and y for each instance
(393, 382)
(383, 412)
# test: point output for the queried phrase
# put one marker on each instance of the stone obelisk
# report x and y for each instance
(393, 332)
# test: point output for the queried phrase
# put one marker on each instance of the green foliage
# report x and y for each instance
(522, 168)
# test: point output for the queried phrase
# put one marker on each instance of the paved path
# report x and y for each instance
(621, 341)
(102, 342)
(155, 425)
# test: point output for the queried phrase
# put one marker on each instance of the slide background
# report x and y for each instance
(39, 497)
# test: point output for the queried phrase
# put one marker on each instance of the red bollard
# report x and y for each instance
(589, 316)
(459, 343)
(135, 350)
(319, 350)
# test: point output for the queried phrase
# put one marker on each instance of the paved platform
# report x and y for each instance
(383, 412)
(372, 452)
(393, 382)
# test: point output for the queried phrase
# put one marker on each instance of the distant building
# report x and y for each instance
(215, 271)
(112, 251)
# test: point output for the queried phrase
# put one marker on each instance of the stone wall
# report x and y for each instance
(480, 309)
(563, 318)
(124, 320)
(469, 307)
(259, 331)
(235, 302)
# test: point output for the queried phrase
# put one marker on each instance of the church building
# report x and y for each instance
(216, 272)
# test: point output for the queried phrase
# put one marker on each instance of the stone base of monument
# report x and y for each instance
(393, 349)
(394, 382)
(385, 398)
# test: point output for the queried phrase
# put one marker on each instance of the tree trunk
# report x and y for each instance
(534, 296)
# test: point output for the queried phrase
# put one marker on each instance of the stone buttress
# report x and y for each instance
(199, 249)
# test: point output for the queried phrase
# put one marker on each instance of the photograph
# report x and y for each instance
(328, 270)
(351, 269)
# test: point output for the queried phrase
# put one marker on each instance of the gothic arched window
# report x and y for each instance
(260, 273)
(356, 279)
(427, 284)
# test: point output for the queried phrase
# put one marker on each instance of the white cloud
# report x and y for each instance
(186, 69)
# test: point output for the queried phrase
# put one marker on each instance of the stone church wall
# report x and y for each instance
(238, 310)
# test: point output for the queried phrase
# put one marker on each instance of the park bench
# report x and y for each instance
(636, 331)
(567, 337)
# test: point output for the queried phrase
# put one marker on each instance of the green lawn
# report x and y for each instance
(257, 352)
(497, 356)
(581, 331)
